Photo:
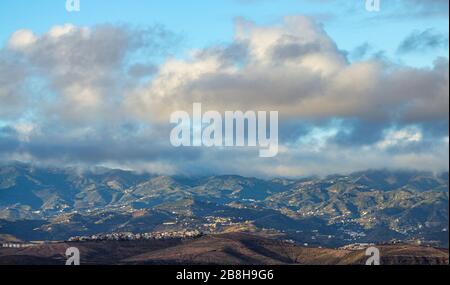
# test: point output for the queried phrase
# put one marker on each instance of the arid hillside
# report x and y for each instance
(224, 249)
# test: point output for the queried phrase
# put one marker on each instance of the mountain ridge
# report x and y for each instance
(366, 206)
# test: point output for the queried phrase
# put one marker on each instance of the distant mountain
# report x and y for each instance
(369, 206)
(48, 189)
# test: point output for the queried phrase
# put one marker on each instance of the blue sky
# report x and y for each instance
(355, 89)
(203, 23)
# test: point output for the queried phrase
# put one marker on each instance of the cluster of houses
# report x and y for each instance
(133, 237)
(18, 245)
(357, 246)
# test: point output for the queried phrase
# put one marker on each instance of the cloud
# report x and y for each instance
(97, 98)
(429, 8)
(22, 39)
(423, 41)
(142, 70)
(85, 68)
(12, 90)
(296, 69)
(361, 51)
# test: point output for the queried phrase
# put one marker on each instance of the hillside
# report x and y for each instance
(223, 249)
(377, 206)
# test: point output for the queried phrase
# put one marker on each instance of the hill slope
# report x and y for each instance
(224, 249)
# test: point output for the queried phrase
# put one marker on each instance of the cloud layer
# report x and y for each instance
(97, 96)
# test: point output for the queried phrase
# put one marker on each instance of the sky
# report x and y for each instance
(355, 89)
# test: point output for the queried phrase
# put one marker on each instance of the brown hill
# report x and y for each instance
(224, 249)
(246, 249)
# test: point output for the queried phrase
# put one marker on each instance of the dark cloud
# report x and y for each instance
(103, 147)
(230, 54)
(423, 41)
(142, 70)
(12, 91)
(361, 51)
(291, 51)
(359, 133)
(428, 8)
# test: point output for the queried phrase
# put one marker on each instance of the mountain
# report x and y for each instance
(43, 203)
(50, 189)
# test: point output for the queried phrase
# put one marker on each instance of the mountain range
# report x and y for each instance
(375, 206)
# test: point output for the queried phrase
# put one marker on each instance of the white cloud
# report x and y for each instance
(22, 39)
(297, 69)
(400, 137)
(84, 107)
(59, 31)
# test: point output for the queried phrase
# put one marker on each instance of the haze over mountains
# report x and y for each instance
(38, 203)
